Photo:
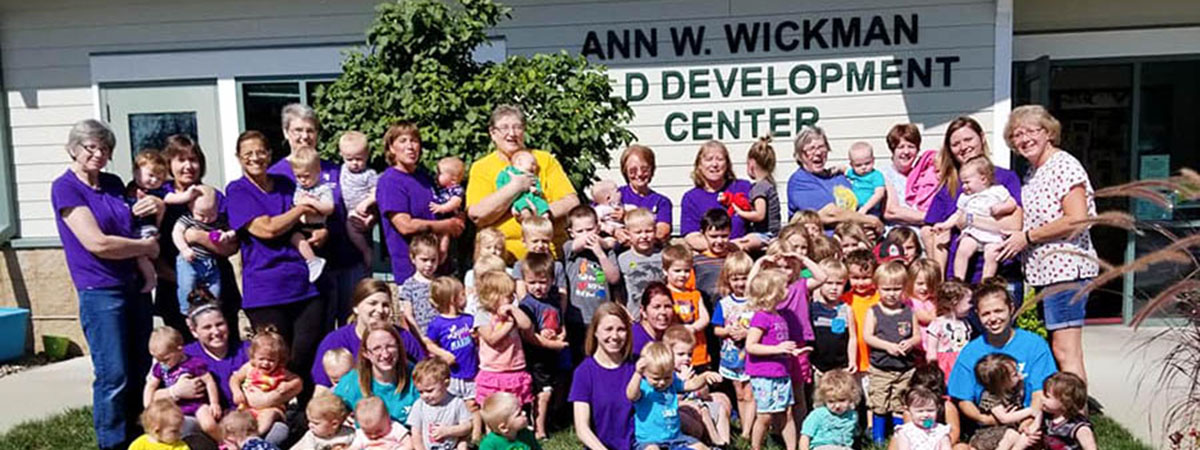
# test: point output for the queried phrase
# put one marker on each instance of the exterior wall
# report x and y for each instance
(1035, 16)
(38, 280)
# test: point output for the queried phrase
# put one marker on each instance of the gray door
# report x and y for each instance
(143, 116)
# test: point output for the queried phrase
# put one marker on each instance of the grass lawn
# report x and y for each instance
(73, 430)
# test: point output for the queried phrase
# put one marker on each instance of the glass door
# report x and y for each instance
(143, 116)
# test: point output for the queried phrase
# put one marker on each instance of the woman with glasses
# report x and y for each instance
(488, 206)
(818, 188)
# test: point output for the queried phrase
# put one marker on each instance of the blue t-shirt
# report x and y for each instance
(656, 414)
(545, 314)
(454, 335)
(864, 186)
(808, 191)
(1034, 361)
(399, 403)
(823, 427)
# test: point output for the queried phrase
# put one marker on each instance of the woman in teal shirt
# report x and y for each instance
(382, 372)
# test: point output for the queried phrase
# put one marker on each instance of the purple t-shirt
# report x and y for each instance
(337, 248)
(944, 205)
(190, 366)
(399, 192)
(794, 311)
(345, 337)
(775, 330)
(612, 412)
(806, 190)
(454, 335)
(112, 215)
(658, 204)
(269, 266)
(698, 201)
(641, 338)
(222, 369)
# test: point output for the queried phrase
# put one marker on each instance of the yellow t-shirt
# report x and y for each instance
(482, 183)
(144, 443)
(859, 306)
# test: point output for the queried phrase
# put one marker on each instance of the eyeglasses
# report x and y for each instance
(383, 348)
(93, 148)
(510, 129)
(305, 131)
(1023, 133)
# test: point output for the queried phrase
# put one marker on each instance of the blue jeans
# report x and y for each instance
(189, 274)
(116, 323)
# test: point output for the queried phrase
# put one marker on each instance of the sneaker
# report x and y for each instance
(315, 267)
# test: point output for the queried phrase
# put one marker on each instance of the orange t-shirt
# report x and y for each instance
(859, 306)
(687, 309)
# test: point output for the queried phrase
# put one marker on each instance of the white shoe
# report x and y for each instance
(315, 267)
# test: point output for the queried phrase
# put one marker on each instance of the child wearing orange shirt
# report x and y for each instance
(689, 302)
(861, 297)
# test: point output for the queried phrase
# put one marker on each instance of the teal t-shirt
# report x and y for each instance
(864, 185)
(525, 441)
(399, 403)
(823, 427)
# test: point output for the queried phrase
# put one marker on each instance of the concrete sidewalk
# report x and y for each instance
(1123, 374)
(45, 391)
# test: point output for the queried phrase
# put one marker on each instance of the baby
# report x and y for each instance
(867, 183)
(510, 428)
(238, 431)
(171, 364)
(376, 429)
(306, 165)
(607, 203)
(981, 197)
(326, 428)
(531, 202)
(336, 363)
(448, 195)
(196, 265)
(163, 423)
(149, 175)
(358, 189)
(265, 373)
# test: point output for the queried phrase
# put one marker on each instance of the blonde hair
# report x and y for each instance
(337, 356)
(165, 337)
(497, 408)
(793, 230)
(269, 340)
(763, 155)
(676, 253)
(850, 230)
(452, 165)
(304, 158)
(983, 165)
(489, 263)
(658, 359)
(639, 215)
(353, 138)
(161, 414)
(431, 369)
(736, 263)
(805, 216)
(326, 407)
(1032, 114)
(713, 145)
(767, 289)
(603, 188)
(494, 289)
(678, 334)
(834, 267)
(925, 269)
(537, 225)
(152, 160)
(487, 237)
(838, 386)
(238, 425)
(370, 407)
(891, 272)
(444, 291)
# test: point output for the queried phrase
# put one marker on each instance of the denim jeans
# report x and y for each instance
(116, 323)
(189, 274)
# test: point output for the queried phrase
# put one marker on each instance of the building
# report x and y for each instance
(1119, 75)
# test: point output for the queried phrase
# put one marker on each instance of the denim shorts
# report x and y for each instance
(1059, 309)
(772, 395)
(681, 442)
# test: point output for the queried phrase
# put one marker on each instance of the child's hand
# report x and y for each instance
(641, 365)
(801, 351)
(737, 332)
(687, 373)
(239, 397)
(852, 368)
(505, 310)
(787, 346)
(440, 208)
(711, 377)
(904, 346)
(547, 333)
(435, 433)
(894, 350)
(188, 254)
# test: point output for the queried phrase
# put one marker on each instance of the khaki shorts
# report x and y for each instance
(885, 391)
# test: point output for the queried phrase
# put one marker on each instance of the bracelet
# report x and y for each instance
(970, 218)
(214, 236)
(1027, 239)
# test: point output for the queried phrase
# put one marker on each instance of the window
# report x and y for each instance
(262, 101)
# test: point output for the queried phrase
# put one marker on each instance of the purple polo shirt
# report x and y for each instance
(656, 203)
(338, 249)
(112, 214)
(222, 368)
(407, 193)
(612, 413)
(698, 201)
(346, 338)
(270, 267)
(944, 205)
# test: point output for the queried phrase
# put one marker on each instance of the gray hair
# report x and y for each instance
(807, 135)
(506, 110)
(295, 111)
(91, 129)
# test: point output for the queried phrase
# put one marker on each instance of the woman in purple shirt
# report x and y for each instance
(713, 175)
(814, 187)
(403, 195)
(658, 313)
(637, 166)
(100, 246)
(603, 417)
(965, 140)
(372, 305)
(261, 211)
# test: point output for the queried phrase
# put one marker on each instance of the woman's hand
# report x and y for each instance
(1013, 244)
(148, 206)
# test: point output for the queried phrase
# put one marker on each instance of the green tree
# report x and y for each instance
(417, 66)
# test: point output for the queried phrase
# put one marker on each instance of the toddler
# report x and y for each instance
(642, 262)
(763, 217)
(980, 197)
(448, 194)
(326, 425)
(822, 247)
(890, 330)
(195, 265)
(376, 429)
(171, 364)
(850, 237)
(358, 183)
(1003, 397)
(866, 182)
(413, 293)
(337, 363)
(439, 420)
(834, 343)
(860, 273)
(499, 325)
(930, 377)
(306, 165)
(831, 426)
(1065, 423)
(266, 372)
(532, 201)
(452, 330)
(731, 320)
(949, 332)
(590, 269)
(702, 413)
(606, 200)
(510, 428)
(537, 233)
(922, 431)
(163, 422)
(689, 303)
(768, 354)
(924, 277)
(654, 390)
(547, 340)
(715, 227)
(488, 242)
(810, 221)
(149, 175)
(239, 431)
(908, 242)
